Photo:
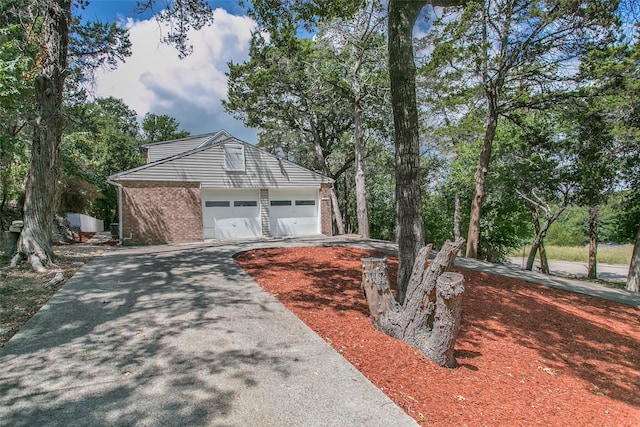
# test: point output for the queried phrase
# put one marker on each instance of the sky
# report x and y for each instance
(153, 79)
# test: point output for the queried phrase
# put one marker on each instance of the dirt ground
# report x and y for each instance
(527, 354)
(23, 291)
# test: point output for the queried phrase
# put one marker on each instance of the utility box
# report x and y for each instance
(115, 230)
(9, 242)
(10, 238)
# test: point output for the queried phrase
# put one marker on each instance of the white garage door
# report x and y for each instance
(293, 212)
(231, 214)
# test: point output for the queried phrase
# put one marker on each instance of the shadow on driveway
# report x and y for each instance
(177, 336)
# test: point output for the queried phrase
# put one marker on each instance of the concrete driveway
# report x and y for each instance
(178, 336)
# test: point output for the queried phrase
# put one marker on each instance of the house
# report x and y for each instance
(215, 186)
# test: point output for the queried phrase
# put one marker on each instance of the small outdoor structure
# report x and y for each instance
(215, 186)
(10, 238)
(85, 223)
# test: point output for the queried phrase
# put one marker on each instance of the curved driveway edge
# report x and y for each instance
(178, 336)
(181, 336)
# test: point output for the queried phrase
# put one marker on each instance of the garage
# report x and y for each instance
(231, 214)
(215, 186)
(293, 212)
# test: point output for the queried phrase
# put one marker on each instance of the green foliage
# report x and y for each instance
(181, 17)
(16, 62)
(570, 229)
(438, 213)
(94, 44)
(279, 91)
(505, 225)
(380, 178)
(506, 220)
(103, 140)
(161, 128)
(287, 17)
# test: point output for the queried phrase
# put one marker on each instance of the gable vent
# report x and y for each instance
(234, 158)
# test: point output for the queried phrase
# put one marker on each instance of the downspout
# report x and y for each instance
(120, 225)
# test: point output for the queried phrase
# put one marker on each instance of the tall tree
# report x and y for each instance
(50, 24)
(161, 128)
(279, 90)
(102, 139)
(612, 88)
(41, 189)
(355, 70)
(402, 75)
(514, 50)
(16, 57)
(536, 165)
(596, 170)
(402, 16)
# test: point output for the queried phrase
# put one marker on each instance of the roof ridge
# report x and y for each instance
(211, 134)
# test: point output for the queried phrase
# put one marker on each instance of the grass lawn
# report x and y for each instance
(619, 254)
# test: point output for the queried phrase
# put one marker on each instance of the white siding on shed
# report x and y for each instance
(85, 223)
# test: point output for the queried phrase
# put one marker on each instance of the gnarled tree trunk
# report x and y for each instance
(40, 198)
(429, 319)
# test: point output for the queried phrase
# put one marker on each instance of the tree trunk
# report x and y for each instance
(633, 279)
(337, 215)
(538, 245)
(540, 235)
(456, 222)
(361, 188)
(41, 185)
(320, 158)
(542, 254)
(402, 74)
(544, 262)
(473, 236)
(429, 319)
(592, 272)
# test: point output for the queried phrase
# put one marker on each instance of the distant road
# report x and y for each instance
(611, 272)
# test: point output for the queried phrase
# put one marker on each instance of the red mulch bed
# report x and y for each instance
(527, 354)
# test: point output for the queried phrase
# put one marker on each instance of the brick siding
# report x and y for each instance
(161, 212)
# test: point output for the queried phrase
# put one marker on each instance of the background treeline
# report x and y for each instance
(528, 113)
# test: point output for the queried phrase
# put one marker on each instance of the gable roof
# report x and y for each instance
(163, 149)
(205, 164)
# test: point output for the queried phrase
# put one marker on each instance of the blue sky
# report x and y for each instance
(107, 10)
(155, 80)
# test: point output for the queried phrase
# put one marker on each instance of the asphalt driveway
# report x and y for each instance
(178, 336)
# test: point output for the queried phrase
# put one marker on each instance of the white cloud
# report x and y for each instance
(153, 79)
